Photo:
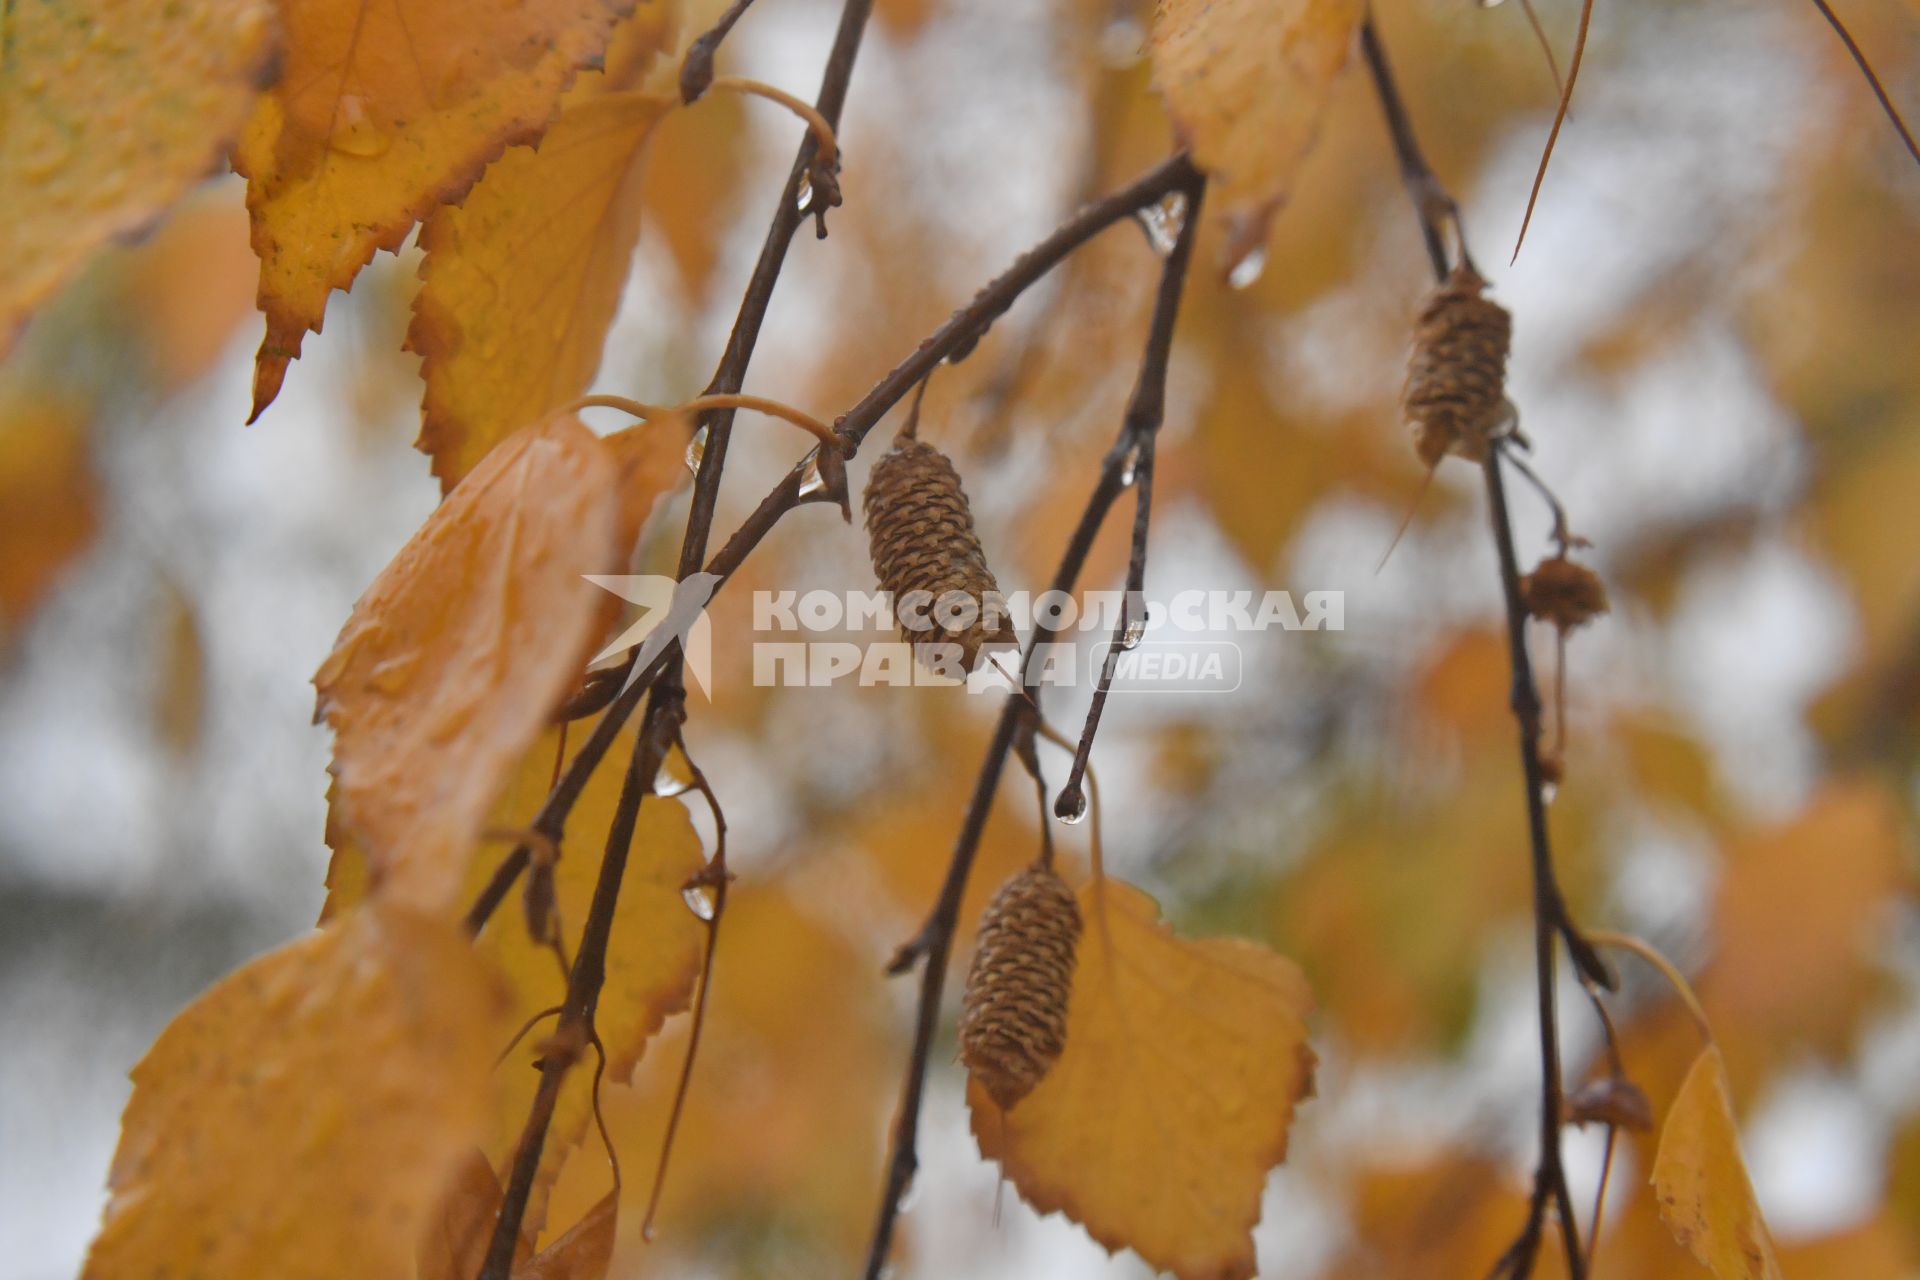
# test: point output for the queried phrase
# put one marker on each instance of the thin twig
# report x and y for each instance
(1140, 426)
(1873, 80)
(666, 706)
(1550, 917)
(963, 327)
(933, 944)
(696, 69)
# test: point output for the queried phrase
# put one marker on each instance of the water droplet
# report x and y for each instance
(668, 784)
(1130, 472)
(804, 201)
(812, 483)
(1491, 4)
(696, 451)
(1071, 806)
(354, 134)
(1136, 631)
(1163, 222)
(700, 900)
(1248, 269)
(1548, 790)
(1122, 42)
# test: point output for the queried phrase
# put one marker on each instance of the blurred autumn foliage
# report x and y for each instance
(1314, 938)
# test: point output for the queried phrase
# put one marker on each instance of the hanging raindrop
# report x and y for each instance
(1163, 222)
(1248, 269)
(696, 452)
(700, 900)
(1071, 806)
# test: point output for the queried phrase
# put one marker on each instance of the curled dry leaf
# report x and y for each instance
(521, 280)
(461, 1225)
(303, 1116)
(1245, 82)
(1701, 1181)
(1156, 1127)
(652, 961)
(385, 110)
(584, 1252)
(111, 110)
(458, 652)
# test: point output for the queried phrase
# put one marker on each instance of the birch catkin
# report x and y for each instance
(1013, 1020)
(1455, 395)
(927, 555)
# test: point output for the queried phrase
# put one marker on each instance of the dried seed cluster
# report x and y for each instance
(1455, 396)
(1013, 1021)
(1564, 593)
(926, 553)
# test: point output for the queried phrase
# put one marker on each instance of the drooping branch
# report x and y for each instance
(960, 330)
(1437, 212)
(666, 709)
(933, 944)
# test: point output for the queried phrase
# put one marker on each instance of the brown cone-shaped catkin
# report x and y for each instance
(921, 534)
(1455, 395)
(1013, 1020)
(1563, 592)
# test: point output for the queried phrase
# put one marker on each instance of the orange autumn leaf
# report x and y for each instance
(1800, 914)
(584, 1252)
(458, 652)
(1245, 82)
(300, 1118)
(49, 499)
(652, 960)
(109, 111)
(1701, 1181)
(387, 109)
(1156, 1127)
(520, 283)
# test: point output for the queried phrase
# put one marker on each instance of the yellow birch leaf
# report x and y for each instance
(461, 648)
(694, 177)
(520, 283)
(109, 111)
(300, 1119)
(1156, 1127)
(1701, 1181)
(387, 109)
(653, 957)
(1245, 82)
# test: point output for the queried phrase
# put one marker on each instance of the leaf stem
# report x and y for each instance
(827, 147)
(760, 404)
(1675, 979)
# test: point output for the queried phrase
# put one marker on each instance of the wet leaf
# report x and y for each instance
(1245, 82)
(463, 646)
(521, 281)
(1183, 1063)
(1701, 1181)
(109, 111)
(385, 110)
(301, 1118)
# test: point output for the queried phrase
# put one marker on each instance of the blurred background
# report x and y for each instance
(1716, 313)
